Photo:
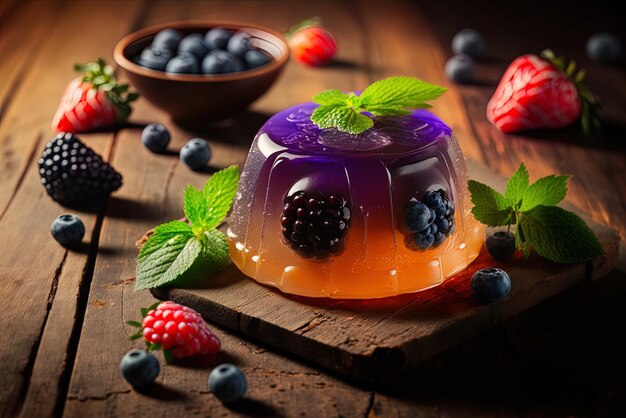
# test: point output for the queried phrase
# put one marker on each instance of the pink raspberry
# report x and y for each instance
(179, 329)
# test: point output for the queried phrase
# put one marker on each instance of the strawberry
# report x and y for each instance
(541, 92)
(93, 100)
(310, 43)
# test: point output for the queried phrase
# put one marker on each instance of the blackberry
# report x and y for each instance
(72, 172)
(428, 222)
(315, 226)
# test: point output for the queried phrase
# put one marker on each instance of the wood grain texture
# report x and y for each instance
(379, 339)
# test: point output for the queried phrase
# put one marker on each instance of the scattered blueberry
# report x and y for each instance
(155, 137)
(501, 245)
(193, 44)
(155, 57)
(167, 38)
(217, 38)
(139, 368)
(490, 284)
(604, 47)
(470, 42)
(228, 383)
(255, 58)
(238, 44)
(68, 230)
(219, 62)
(460, 69)
(183, 64)
(429, 221)
(196, 153)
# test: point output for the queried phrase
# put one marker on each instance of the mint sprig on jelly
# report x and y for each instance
(553, 232)
(179, 253)
(394, 96)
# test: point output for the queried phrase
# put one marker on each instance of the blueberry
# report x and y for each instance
(167, 38)
(604, 47)
(460, 69)
(183, 64)
(239, 44)
(433, 229)
(451, 223)
(424, 241)
(490, 284)
(228, 383)
(154, 57)
(501, 245)
(196, 153)
(193, 44)
(155, 137)
(433, 200)
(449, 208)
(418, 216)
(439, 237)
(68, 230)
(470, 42)
(442, 225)
(139, 368)
(217, 38)
(255, 58)
(219, 62)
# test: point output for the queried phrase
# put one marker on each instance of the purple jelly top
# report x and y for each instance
(293, 129)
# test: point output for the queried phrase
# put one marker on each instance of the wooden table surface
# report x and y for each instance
(62, 324)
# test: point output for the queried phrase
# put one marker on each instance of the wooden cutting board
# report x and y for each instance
(378, 339)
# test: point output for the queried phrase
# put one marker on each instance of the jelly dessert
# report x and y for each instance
(325, 213)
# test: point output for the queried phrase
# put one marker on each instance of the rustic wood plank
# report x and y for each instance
(378, 339)
(35, 269)
(152, 194)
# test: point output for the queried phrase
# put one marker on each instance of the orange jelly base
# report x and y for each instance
(368, 277)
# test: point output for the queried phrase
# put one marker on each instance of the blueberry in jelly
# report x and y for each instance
(429, 221)
(193, 44)
(313, 225)
(417, 216)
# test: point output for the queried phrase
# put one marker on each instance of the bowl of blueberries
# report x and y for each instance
(202, 71)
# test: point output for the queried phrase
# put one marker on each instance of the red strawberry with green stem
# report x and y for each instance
(542, 92)
(310, 43)
(93, 100)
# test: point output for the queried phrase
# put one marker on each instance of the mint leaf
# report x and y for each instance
(489, 205)
(559, 235)
(394, 96)
(168, 263)
(344, 118)
(399, 95)
(547, 191)
(162, 234)
(516, 186)
(195, 206)
(330, 97)
(219, 192)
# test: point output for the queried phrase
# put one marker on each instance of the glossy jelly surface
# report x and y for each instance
(321, 213)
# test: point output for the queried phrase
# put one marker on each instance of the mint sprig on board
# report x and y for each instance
(553, 232)
(394, 96)
(180, 253)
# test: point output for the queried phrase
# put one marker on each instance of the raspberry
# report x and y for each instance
(72, 172)
(179, 329)
(313, 225)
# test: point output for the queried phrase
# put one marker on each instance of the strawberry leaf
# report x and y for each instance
(168, 356)
(134, 324)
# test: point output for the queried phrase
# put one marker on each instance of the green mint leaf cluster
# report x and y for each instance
(180, 253)
(553, 232)
(394, 96)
